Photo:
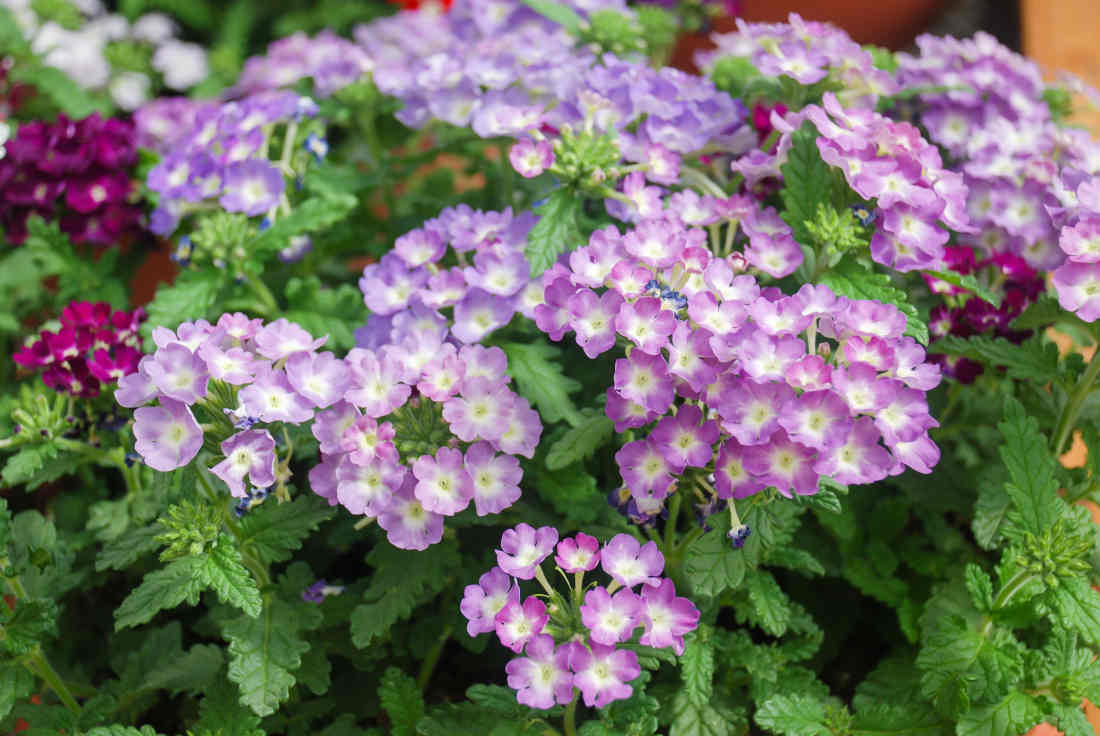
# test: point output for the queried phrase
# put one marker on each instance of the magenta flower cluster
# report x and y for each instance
(76, 172)
(94, 345)
(808, 53)
(225, 157)
(785, 388)
(572, 641)
(410, 288)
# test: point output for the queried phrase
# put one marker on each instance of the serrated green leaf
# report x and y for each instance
(697, 666)
(793, 715)
(580, 441)
(264, 652)
(769, 602)
(118, 729)
(220, 712)
(36, 464)
(897, 720)
(32, 621)
(275, 530)
(968, 282)
(556, 232)
(537, 371)
(402, 701)
(1078, 608)
(796, 559)
(1034, 487)
(989, 515)
(1031, 360)
(807, 182)
(316, 670)
(161, 589)
(852, 280)
(712, 565)
(224, 571)
(310, 215)
(571, 491)
(16, 683)
(192, 671)
(190, 297)
(1013, 715)
(128, 548)
(401, 581)
(980, 586)
(697, 719)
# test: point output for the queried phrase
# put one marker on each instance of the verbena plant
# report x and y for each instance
(664, 403)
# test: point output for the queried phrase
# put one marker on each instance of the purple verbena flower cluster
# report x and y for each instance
(332, 62)
(570, 641)
(74, 171)
(226, 158)
(410, 289)
(808, 53)
(162, 124)
(94, 345)
(785, 388)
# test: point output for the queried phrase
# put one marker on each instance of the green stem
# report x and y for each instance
(428, 667)
(39, 665)
(259, 288)
(1072, 409)
(701, 181)
(670, 525)
(569, 720)
(506, 174)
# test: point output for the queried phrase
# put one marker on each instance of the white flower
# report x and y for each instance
(130, 89)
(182, 64)
(155, 28)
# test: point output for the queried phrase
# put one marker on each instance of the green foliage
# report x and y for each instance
(571, 490)
(1033, 489)
(536, 369)
(556, 232)
(320, 310)
(190, 297)
(1031, 360)
(274, 531)
(811, 193)
(402, 701)
(563, 15)
(971, 284)
(581, 440)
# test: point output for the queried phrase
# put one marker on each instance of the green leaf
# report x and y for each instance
(697, 666)
(189, 298)
(771, 605)
(71, 98)
(120, 730)
(556, 232)
(1078, 608)
(807, 182)
(538, 375)
(263, 653)
(896, 720)
(712, 564)
(402, 580)
(320, 310)
(401, 699)
(989, 515)
(36, 464)
(1031, 360)
(580, 441)
(191, 672)
(128, 548)
(980, 586)
(224, 571)
(1013, 715)
(16, 683)
(572, 492)
(1034, 487)
(563, 15)
(220, 712)
(275, 531)
(848, 278)
(32, 621)
(794, 715)
(316, 670)
(697, 719)
(161, 589)
(968, 282)
(1070, 720)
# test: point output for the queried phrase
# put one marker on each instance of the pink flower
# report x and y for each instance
(602, 673)
(610, 619)
(443, 485)
(482, 602)
(523, 548)
(578, 554)
(542, 678)
(629, 562)
(495, 478)
(516, 624)
(666, 617)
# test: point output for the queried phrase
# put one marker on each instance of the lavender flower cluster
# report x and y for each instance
(332, 62)
(226, 157)
(384, 453)
(785, 388)
(808, 53)
(571, 641)
(408, 289)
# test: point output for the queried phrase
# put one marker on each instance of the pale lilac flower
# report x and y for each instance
(271, 398)
(495, 478)
(530, 158)
(280, 338)
(166, 436)
(441, 378)
(750, 411)
(690, 357)
(666, 617)
(610, 619)
(407, 523)
(480, 313)
(443, 485)
(542, 678)
(322, 479)
(501, 275)
(784, 464)
(645, 323)
(524, 428)
(552, 316)
(1078, 287)
(630, 563)
(643, 379)
(136, 388)
(178, 373)
(523, 547)
(481, 411)
(905, 417)
(685, 440)
(419, 247)
(625, 413)
(235, 365)
(644, 469)
(516, 624)
(252, 187)
(578, 554)
(860, 459)
(862, 389)
(319, 377)
(482, 602)
(367, 441)
(601, 673)
(1081, 242)
(818, 419)
(240, 326)
(368, 489)
(481, 362)
(329, 426)
(920, 454)
(250, 453)
(593, 317)
(376, 385)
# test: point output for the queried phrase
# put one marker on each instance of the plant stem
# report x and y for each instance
(569, 720)
(701, 181)
(1068, 420)
(428, 667)
(670, 525)
(259, 288)
(39, 665)
(506, 175)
